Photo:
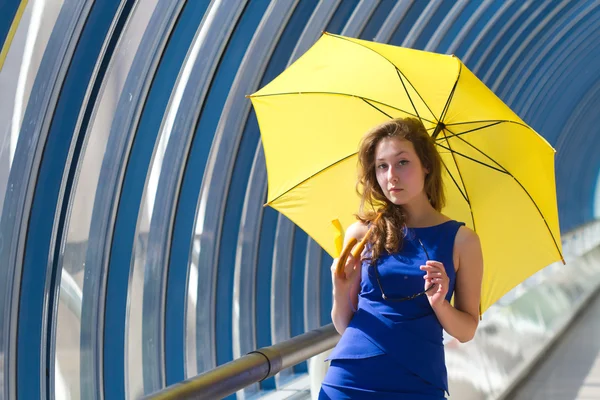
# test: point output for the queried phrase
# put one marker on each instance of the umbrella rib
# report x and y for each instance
(450, 97)
(407, 94)
(461, 180)
(456, 183)
(310, 177)
(377, 108)
(483, 121)
(397, 70)
(340, 94)
(470, 145)
(472, 130)
(520, 184)
(413, 86)
(470, 158)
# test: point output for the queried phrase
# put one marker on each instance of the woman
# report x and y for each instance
(392, 305)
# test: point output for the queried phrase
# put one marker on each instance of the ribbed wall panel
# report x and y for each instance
(138, 176)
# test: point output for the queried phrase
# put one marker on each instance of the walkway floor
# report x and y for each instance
(571, 369)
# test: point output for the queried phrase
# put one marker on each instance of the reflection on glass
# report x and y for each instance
(75, 378)
(190, 317)
(134, 335)
(17, 76)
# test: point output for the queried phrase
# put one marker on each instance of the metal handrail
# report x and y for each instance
(251, 368)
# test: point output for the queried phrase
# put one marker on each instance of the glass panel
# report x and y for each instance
(16, 81)
(76, 358)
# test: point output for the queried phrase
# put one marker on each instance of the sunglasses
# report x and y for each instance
(398, 299)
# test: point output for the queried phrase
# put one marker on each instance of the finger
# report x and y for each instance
(430, 268)
(334, 263)
(437, 264)
(434, 271)
(350, 263)
(434, 276)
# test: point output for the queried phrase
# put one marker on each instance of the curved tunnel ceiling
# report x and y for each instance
(138, 172)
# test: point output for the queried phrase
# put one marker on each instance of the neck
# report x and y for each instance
(420, 213)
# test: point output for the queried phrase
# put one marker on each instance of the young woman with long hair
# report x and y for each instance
(392, 304)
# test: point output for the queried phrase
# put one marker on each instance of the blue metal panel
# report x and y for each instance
(326, 288)
(576, 145)
(297, 289)
(24, 285)
(510, 88)
(244, 280)
(577, 201)
(183, 231)
(586, 146)
(407, 22)
(433, 23)
(489, 34)
(515, 22)
(445, 25)
(55, 180)
(577, 141)
(263, 284)
(312, 286)
(341, 16)
(246, 267)
(360, 17)
(543, 59)
(105, 358)
(585, 186)
(392, 21)
(523, 30)
(121, 255)
(478, 26)
(547, 74)
(237, 187)
(522, 48)
(558, 81)
(211, 34)
(119, 146)
(460, 22)
(379, 15)
(216, 194)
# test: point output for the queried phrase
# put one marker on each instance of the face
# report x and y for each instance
(400, 173)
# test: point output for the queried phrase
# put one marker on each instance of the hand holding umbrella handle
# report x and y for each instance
(339, 268)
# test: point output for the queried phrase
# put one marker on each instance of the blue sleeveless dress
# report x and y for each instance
(394, 350)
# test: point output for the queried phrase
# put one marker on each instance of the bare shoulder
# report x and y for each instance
(468, 247)
(357, 230)
(466, 237)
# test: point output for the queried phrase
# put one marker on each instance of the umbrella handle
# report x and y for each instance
(339, 268)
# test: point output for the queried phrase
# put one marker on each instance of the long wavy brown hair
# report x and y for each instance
(388, 233)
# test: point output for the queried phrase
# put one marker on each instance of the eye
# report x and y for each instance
(403, 162)
(381, 166)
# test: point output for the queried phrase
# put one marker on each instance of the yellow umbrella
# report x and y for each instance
(499, 173)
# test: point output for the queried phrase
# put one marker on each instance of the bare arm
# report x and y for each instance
(345, 290)
(461, 321)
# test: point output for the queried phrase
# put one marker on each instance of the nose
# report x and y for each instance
(392, 177)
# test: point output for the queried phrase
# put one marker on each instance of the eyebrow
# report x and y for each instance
(403, 151)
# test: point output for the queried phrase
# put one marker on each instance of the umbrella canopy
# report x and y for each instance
(498, 172)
